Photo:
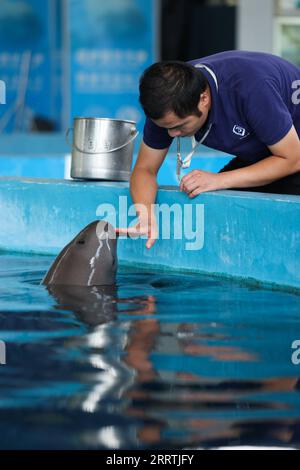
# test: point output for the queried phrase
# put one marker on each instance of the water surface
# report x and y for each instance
(161, 361)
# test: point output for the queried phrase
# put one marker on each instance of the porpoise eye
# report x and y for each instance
(81, 242)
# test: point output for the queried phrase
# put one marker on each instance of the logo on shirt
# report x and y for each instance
(240, 131)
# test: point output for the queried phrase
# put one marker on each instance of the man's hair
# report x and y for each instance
(171, 86)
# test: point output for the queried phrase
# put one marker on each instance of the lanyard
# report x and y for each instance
(185, 163)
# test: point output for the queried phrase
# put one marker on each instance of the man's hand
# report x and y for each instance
(143, 227)
(198, 181)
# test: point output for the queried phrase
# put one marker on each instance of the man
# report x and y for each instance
(242, 103)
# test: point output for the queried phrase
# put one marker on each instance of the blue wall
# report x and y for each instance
(30, 64)
(45, 156)
(109, 45)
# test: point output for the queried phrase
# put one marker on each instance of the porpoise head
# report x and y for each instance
(90, 259)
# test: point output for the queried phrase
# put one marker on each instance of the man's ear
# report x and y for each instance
(204, 99)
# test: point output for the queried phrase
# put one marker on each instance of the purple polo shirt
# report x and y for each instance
(252, 106)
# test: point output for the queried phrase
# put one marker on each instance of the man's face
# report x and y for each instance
(189, 125)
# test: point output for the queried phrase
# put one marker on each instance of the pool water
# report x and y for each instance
(161, 361)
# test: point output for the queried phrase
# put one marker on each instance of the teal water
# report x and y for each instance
(162, 361)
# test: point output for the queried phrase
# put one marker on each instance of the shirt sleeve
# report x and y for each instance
(156, 137)
(267, 113)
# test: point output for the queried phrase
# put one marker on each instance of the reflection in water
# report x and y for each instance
(172, 404)
(97, 306)
(158, 361)
(93, 305)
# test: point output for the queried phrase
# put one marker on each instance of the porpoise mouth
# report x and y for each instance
(105, 231)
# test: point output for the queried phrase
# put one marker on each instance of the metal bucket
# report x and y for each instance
(102, 148)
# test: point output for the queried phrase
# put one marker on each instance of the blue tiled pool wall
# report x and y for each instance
(245, 235)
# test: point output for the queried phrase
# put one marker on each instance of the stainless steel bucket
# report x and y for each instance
(102, 148)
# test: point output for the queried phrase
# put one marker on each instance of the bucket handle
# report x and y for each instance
(135, 134)
(67, 135)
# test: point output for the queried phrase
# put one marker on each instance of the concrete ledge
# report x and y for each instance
(245, 235)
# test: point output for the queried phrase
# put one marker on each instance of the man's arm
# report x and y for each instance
(284, 161)
(143, 188)
(143, 184)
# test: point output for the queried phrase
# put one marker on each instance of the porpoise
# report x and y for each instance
(90, 259)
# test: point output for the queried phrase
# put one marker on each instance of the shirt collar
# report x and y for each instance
(214, 88)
